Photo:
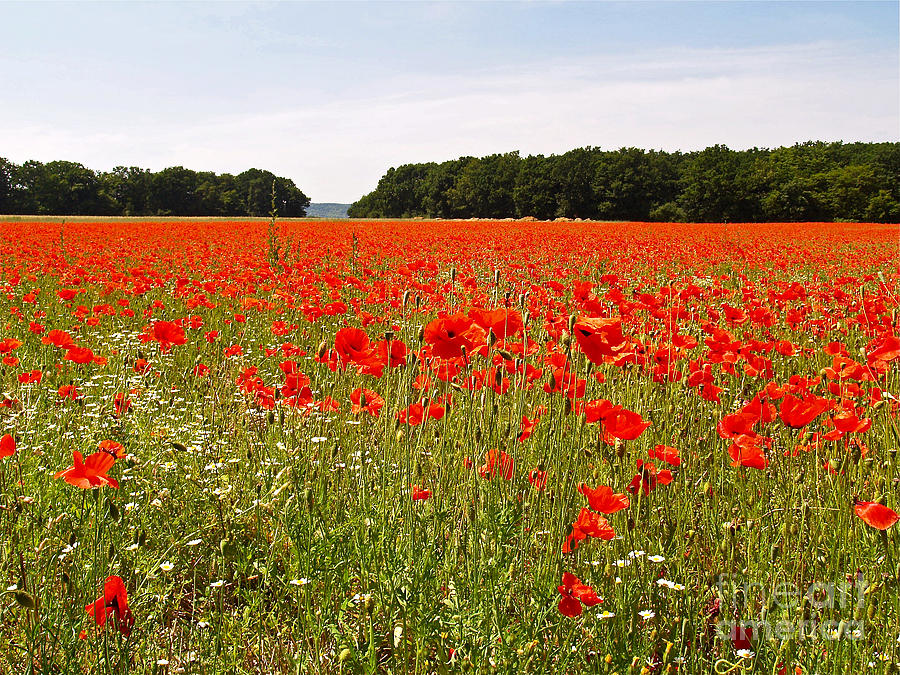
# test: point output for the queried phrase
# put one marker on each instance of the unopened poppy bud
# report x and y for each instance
(420, 335)
(565, 340)
(571, 324)
(620, 448)
(505, 355)
(631, 524)
(399, 435)
(452, 274)
(496, 277)
(568, 406)
(405, 298)
(322, 350)
(25, 600)
(389, 335)
(491, 338)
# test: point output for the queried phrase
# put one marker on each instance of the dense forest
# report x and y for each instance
(69, 188)
(812, 181)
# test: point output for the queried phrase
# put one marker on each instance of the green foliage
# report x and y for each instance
(69, 188)
(812, 181)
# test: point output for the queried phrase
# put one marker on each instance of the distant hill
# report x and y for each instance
(327, 210)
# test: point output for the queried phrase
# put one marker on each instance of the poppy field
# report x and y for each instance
(434, 446)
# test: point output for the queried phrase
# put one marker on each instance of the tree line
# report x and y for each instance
(813, 181)
(68, 188)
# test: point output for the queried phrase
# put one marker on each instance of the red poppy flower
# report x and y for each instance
(666, 454)
(603, 500)
(113, 602)
(497, 463)
(366, 399)
(80, 355)
(745, 451)
(574, 594)
(501, 321)
(167, 334)
(624, 424)
(537, 478)
(450, 335)
(599, 337)
(797, 413)
(648, 477)
(589, 524)
(419, 494)
(875, 515)
(353, 347)
(7, 446)
(122, 403)
(90, 472)
(116, 450)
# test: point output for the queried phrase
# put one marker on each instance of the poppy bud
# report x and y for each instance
(631, 524)
(420, 335)
(496, 277)
(620, 448)
(491, 338)
(568, 406)
(389, 335)
(321, 351)
(565, 340)
(113, 510)
(571, 323)
(25, 600)
(405, 298)
(452, 274)
(506, 355)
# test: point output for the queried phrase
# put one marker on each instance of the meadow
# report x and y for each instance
(438, 446)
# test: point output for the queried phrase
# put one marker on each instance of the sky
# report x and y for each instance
(332, 94)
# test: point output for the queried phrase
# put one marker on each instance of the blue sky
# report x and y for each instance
(333, 94)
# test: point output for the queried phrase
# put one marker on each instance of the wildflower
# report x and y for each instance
(7, 446)
(647, 614)
(114, 601)
(91, 472)
(166, 566)
(574, 594)
(603, 499)
(497, 462)
(875, 515)
(599, 337)
(419, 494)
(450, 336)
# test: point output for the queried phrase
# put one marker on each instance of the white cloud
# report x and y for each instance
(336, 150)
